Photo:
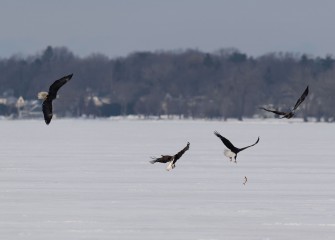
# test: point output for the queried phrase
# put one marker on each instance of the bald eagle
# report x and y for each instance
(291, 113)
(232, 151)
(48, 97)
(170, 159)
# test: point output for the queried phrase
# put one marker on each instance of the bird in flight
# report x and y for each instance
(232, 151)
(292, 112)
(48, 97)
(170, 159)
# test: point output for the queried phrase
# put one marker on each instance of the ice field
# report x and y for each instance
(91, 179)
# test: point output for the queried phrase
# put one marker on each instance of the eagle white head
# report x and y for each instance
(42, 95)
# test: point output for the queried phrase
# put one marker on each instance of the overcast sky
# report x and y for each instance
(117, 28)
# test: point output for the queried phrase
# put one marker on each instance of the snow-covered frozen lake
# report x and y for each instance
(91, 179)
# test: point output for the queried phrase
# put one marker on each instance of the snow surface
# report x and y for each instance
(91, 179)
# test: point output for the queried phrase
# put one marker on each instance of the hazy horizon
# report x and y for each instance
(118, 28)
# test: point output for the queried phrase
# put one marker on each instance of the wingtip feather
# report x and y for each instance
(69, 76)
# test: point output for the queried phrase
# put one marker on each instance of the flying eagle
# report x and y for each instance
(48, 97)
(233, 151)
(170, 159)
(292, 112)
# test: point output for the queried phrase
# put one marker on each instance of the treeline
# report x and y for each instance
(190, 83)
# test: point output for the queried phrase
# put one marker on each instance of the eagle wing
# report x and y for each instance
(250, 145)
(274, 111)
(180, 153)
(301, 99)
(47, 111)
(226, 142)
(162, 159)
(53, 89)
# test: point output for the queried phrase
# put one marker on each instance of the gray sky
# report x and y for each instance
(117, 28)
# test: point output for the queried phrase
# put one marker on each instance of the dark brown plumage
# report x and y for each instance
(171, 159)
(233, 151)
(52, 94)
(292, 112)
